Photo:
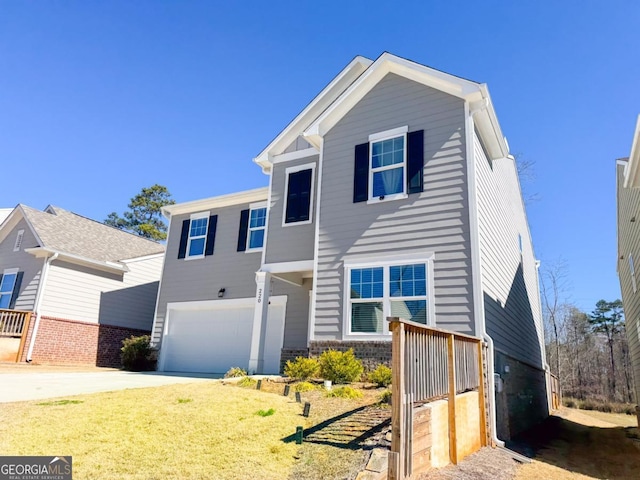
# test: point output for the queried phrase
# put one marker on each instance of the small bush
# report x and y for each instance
(185, 400)
(344, 392)
(381, 376)
(385, 397)
(247, 382)
(304, 387)
(340, 367)
(265, 413)
(137, 354)
(302, 368)
(569, 402)
(587, 405)
(235, 372)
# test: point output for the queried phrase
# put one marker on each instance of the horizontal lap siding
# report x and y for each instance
(509, 280)
(193, 280)
(25, 262)
(629, 243)
(297, 314)
(435, 220)
(293, 242)
(81, 293)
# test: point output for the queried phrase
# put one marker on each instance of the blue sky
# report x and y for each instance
(101, 98)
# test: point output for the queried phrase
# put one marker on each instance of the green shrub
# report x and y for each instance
(302, 368)
(265, 413)
(247, 382)
(137, 355)
(385, 397)
(235, 372)
(344, 392)
(340, 367)
(304, 387)
(381, 376)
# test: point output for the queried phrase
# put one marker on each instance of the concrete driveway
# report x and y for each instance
(16, 387)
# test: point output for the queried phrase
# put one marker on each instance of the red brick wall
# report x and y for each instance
(73, 342)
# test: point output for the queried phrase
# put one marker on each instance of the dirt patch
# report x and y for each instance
(576, 444)
(487, 463)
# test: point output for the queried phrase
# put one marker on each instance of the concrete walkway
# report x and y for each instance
(16, 387)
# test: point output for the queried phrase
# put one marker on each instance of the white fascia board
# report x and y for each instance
(632, 172)
(297, 155)
(288, 267)
(487, 123)
(328, 94)
(388, 63)
(114, 267)
(143, 258)
(12, 220)
(247, 196)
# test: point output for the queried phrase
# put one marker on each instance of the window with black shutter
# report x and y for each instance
(299, 194)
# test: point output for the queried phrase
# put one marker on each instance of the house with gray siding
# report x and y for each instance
(81, 286)
(628, 220)
(392, 193)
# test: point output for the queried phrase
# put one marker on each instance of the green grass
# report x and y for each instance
(265, 413)
(211, 431)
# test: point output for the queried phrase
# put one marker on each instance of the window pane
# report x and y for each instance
(366, 317)
(258, 218)
(8, 281)
(198, 227)
(407, 289)
(420, 271)
(388, 182)
(366, 283)
(256, 238)
(5, 300)
(413, 310)
(196, 247)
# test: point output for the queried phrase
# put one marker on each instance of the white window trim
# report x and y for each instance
(378, 137)
(192, 217)
(256, 206)
(632, 270)
(385, 262)
(288, 172)
(19, 238)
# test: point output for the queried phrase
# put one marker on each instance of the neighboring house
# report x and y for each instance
(628, 193)
(392, 193)
(88, 285)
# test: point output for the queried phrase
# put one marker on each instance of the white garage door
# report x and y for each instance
(213, 336)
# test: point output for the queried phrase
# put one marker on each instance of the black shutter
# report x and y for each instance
(16, 290)
(415, 161)
(361, 174)
(184, 236)
(242, 232)
(298, 196)
(211, 234)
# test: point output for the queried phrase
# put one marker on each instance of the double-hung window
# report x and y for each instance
(393, 288)
(298, 195)
(197, 239)
(7, 285)
(387, 174)
(257, 224)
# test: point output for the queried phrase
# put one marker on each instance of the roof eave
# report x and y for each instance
(113, 267)
(247, 196)
(340, 82)
(632, 171)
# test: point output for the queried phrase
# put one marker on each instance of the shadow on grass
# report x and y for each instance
(348, 430)
(598, 452)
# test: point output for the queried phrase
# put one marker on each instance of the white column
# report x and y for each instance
(261, 310)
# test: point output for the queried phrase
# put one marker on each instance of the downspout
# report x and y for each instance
(43, 281)
(480, 324)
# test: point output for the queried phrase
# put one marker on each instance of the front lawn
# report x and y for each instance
(193, 431)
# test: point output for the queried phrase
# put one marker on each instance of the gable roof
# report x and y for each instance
(367, 76)
(58, 230)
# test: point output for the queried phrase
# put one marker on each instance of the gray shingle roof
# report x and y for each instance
(71, 233)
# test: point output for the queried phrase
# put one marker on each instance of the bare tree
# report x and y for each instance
(554, 290)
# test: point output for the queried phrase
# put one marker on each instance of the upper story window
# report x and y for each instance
(298, 208)
(632, 270)
(257, 223)
(396, 289)
(253, 223)
(198, 236)
(7, 287)
(18, 244)
(390, 166)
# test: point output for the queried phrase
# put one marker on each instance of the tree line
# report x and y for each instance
(588, 352)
